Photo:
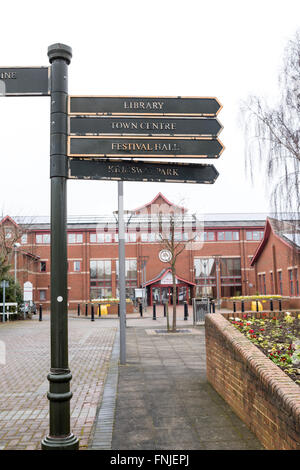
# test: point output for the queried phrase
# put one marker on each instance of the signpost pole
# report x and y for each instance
(3, 314)
(122, 291)
(59, 395)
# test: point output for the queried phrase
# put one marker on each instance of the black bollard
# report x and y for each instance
(279, 302)
(92, 313)
(186, 312)
(213, 307)
(78, 310)
(86, 310)
(234, 307)
(243, 306)
(141, 309)
(165, 309)
(154, 311)
(271, 305)
(99, 306)
(118, 310)
(41, 313)
(257, 305)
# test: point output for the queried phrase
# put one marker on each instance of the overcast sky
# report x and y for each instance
(227, 49)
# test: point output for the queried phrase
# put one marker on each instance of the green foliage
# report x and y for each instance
(4, 267)
(13, 293)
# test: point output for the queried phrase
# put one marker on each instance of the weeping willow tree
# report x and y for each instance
(272, 142)
(272, 136)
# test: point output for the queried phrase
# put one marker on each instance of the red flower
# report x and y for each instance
(251, 331)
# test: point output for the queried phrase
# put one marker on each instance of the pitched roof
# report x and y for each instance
(7, 218)
(162, 274)
(159, 195)
(286, 231)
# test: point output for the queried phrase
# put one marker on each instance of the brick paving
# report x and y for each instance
(24, 407)
(159, 400)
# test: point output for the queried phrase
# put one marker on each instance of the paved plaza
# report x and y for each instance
(24, 407)
(159, 400)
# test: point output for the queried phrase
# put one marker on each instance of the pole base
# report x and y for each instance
(59, 443)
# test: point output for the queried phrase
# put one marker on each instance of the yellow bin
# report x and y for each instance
(104, 309)
(253, 306)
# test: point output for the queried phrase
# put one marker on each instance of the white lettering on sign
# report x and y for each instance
(168, 279)
(173, 147)
(146, 105)
(8, 75)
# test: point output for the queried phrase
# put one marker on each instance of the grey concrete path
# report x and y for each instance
(163, 399)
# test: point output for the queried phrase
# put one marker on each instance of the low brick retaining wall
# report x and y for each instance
(258, 391)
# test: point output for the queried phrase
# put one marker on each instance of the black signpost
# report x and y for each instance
(59, 395)
(85, 131)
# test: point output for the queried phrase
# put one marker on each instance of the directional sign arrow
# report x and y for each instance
(128, 105)
(141, 125)
(108, 146)
(142, 171)
(24, 81)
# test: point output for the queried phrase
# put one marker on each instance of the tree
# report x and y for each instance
(177, 232)
(272, 135)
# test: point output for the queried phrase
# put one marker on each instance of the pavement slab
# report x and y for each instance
(164, 401)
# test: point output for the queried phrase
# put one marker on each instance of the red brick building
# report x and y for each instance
(216, 262)
(276, 260)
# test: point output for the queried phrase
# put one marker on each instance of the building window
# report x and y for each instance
(228, 236)
(254, 235)
(296, 281)
(43, 266)
(116, 237)
(100, 278)
(130, 276)
(280, 282)
(264, 284)
(100, 237)
(75, 238)
(8, 233)
(42, 294)
(24, 239)
(43, 238)
(231, 277)
(291, 282)
(144, 237)
(205, 276)
(76, 266)
(272, 282)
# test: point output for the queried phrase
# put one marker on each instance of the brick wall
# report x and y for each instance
(258, 391)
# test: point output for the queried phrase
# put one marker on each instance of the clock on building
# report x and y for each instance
(165, 256)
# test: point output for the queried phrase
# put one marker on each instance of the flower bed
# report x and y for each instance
(264, 396)
(277, 337)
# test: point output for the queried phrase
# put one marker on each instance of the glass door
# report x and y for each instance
(156, 297)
